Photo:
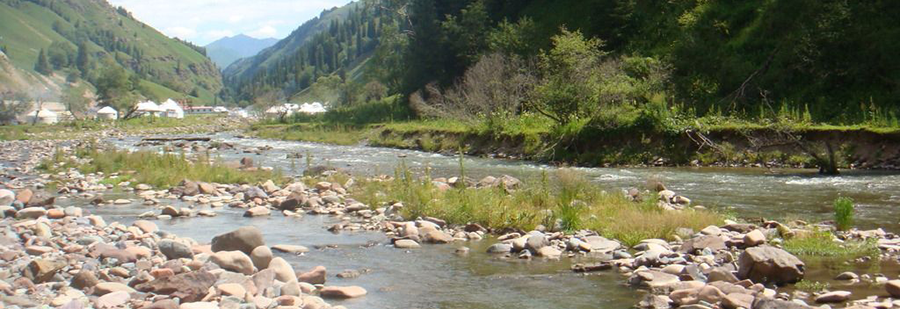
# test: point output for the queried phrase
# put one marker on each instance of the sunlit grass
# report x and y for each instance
(569, 203)
(158, 170)
(823, 244)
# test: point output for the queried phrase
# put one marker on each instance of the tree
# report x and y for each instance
(12, 105)
(570, 85)
(374, 91)
(115, 88)
(271, 98)
(76, 102)
(83, 59)
(43, 65)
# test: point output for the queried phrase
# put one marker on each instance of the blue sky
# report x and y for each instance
(204, 21)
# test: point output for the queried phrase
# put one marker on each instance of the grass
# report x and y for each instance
(317, 133)
(823, 244)
(812, 286)
(843, 213)
(570, 202)
(75, 128)
(158, 170)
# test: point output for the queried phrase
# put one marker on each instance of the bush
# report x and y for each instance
(843, 213)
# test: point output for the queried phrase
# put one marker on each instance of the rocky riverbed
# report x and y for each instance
(63, 256)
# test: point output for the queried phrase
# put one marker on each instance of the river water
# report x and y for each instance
(436, 277)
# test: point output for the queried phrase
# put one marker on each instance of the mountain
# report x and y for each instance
(337, 41)
(226, 51)
(53, 42)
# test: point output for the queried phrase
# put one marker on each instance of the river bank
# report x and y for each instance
(710, 146)
(537, 244)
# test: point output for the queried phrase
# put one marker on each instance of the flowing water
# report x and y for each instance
(436, 277)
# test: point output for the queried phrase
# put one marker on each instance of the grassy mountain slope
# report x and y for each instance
(110, 36)
(247, 67)
(226, 51)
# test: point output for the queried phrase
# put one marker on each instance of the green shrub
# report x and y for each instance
(843, 213)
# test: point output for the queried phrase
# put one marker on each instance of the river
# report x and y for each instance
(437, 277)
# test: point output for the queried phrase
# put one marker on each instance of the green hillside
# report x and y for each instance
(82, 37)
(335, 43)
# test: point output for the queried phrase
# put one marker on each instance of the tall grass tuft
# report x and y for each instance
(843, 213)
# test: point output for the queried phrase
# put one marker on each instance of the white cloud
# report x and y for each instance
(197, 19)
(264, 32)
(181, 32)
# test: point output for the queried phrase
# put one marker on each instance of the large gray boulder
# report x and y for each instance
(175, 250)
(244, 239)
(767, 264)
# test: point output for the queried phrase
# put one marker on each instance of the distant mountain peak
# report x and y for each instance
(227, 50)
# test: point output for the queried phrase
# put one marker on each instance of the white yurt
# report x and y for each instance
(148, 108)
(171, 109)
(314, 108)
(44, 116)
(107, 113)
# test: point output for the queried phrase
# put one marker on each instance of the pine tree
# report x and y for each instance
(43, 65)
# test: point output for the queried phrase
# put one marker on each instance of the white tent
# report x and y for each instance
(314, 108)
(149, 108)
(172, 109)
(220, 109)
(43, 116)
(107, 113)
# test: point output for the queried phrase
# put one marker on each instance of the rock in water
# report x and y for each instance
(342, 292)
(7, 197)
(244, 239)
(766, 264)
(315, 276)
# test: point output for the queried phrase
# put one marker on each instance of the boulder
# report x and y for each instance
(601, 244)
(893, 288)
(190, 286)
(283, 271)
(406, 244)
(833, 297)
(258, 211)
(24, 196)
(769, 303)
(261, 256)
(175, 250)
(314, 276)
(113, 300)
(293, 201)
(199, 305)
(170, 211)
(342, 292)
(83, 280)
(190, 188)
(435, 236)
(42, 270)
(163, 304)
(146, 226)
(766, 264)
(294, 249)
(7, 197)
(737, 300)
(235, 261)
(500, 248)
(536, 241)
(206, 188)
(31, 213)
(754, 238)
(244, 239)
(714, 243)
(104, 288)
(231, 289)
